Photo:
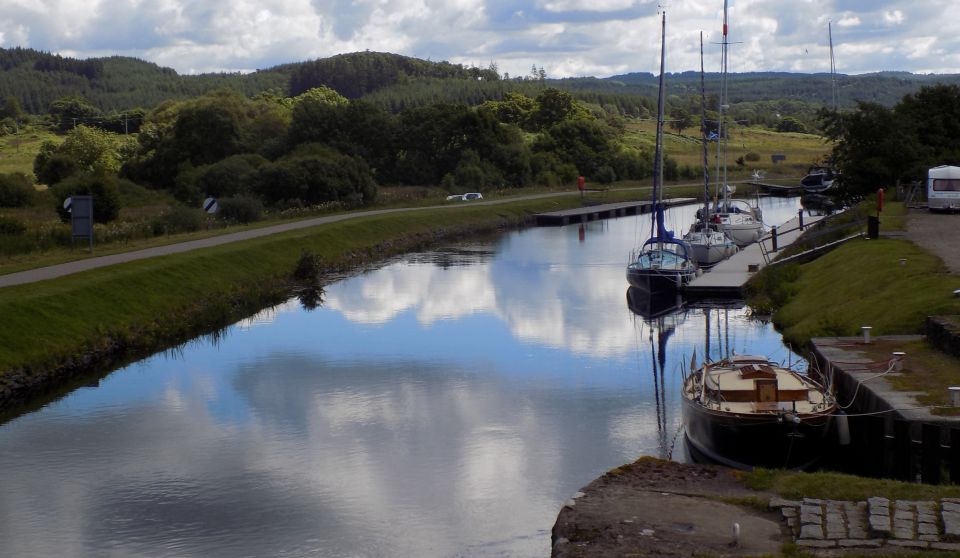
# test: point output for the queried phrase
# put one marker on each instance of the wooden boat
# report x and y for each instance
(747, 412)
(663, 262)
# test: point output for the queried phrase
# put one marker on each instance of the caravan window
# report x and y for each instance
(946, 184)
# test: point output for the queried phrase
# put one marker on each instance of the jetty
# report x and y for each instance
(779, 189)
(603, 211)
(727, 278)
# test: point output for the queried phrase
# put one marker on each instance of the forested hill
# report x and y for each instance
(885, 88)
(117, 83)
(396, 83)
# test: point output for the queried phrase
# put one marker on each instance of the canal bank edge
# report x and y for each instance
(118, 314)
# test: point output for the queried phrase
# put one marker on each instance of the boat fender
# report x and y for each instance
(843, 429)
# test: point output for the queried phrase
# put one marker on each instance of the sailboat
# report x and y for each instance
(742, 221)
(710, 244)
(663, 261)
(747, 411)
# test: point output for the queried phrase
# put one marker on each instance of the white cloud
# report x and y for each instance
(566, 37)
(893, 17)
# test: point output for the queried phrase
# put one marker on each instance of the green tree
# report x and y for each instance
(680, 120)
(69, 112)
(790, 124)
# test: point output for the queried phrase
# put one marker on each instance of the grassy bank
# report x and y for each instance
(58, 328)
(859, 283)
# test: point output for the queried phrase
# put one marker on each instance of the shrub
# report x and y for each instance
(12, 227)
(752, 156)
(16, 190)
(605, 174)
(177, 219)
(105, 192)
(241, 209)
(308, 266)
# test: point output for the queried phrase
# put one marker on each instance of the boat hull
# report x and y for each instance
(708, 255)
(658, 280)
(745, 441)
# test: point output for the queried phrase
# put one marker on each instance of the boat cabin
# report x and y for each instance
(758, 383)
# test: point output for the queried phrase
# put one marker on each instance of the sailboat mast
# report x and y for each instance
(833, 68)
(703, 133)
(721, 116)
(658, 155)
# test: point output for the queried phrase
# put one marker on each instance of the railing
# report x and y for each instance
(810, 237)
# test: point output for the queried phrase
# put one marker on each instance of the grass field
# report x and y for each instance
(801, 150)
(17, 152)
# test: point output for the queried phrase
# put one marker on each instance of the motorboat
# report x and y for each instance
(818, 180)
(745, 412)
(663, 262)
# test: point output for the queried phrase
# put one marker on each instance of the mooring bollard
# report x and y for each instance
(898, 360)
(800, 217)
(866, 334)
(954, 395)
(773, 236)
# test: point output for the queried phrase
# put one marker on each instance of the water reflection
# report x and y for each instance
(446, 404)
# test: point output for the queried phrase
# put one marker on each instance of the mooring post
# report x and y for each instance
(773, 236)
(800, 217)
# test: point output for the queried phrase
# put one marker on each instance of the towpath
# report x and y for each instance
(936, 233)
(60, 270)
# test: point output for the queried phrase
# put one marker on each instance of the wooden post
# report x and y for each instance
(930, 454)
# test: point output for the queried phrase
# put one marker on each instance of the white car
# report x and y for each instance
(456, 197)
(472, 196)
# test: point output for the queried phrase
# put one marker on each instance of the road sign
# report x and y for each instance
(210, 205)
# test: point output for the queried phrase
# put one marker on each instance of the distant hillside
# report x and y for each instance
(360, 73)
(116, 83)
(886, 88)
(398, 82)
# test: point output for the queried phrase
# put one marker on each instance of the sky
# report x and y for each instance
(567, 38)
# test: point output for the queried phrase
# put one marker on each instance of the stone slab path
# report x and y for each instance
(878, 522)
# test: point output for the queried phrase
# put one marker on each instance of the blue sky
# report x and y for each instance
(565, 37)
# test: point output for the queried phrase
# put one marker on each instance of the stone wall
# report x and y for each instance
(944, 333)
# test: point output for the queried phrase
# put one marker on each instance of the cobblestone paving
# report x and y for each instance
(874, 523)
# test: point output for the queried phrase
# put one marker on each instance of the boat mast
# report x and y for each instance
(703, 133)
(833, 69)
(721, 142)
(658, 155)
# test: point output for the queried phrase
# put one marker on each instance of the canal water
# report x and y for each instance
(444, 404)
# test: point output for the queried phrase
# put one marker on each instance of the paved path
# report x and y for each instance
(876, 523)
(936, 233)
(54, 271)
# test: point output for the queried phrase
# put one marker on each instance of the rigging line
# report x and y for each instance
(861, 382)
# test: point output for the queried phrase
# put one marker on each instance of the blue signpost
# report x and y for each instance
(81, 217)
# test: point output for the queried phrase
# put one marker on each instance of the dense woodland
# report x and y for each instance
(332, 131)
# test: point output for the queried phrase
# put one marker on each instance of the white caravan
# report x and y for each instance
(943, 188)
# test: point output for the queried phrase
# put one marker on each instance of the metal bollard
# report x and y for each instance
(773, 236)
(800, 217)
